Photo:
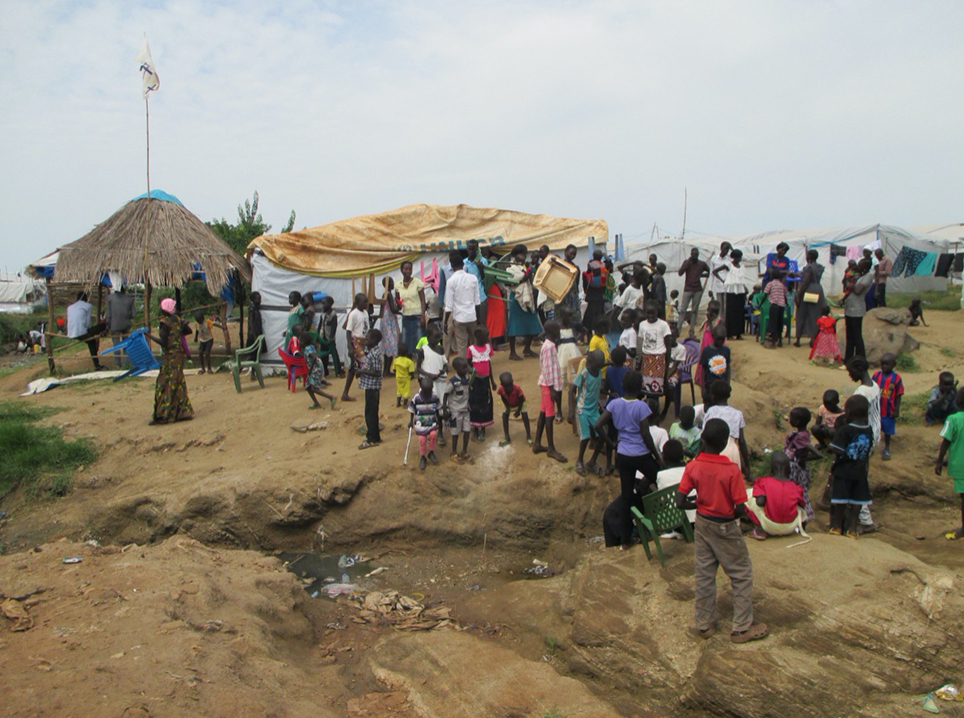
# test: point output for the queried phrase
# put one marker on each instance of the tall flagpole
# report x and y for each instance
(147, 231)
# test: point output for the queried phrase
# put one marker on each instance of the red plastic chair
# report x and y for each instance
(296, 366)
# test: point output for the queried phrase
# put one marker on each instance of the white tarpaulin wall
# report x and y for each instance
(673, 253)
(275, 283)
(756, 247)
(20, 295)
(891, 239)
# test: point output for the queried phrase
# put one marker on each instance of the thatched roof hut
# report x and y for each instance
(156, 241)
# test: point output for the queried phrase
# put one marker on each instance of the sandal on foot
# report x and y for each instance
(366, 444)
(580, 468)
(333, 400)
(953, 535)
(753, 633)
(505, 442)
(558, 457)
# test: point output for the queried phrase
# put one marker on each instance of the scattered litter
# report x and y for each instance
(303, 427)
(474, 587)
(949, 692)
(596, 539)
(377, 571)
(349, 561)
(403, 612)
(16, 612)
(73, 559)
(928, 704)
(921, 538)
(338, 589)
(540, 569)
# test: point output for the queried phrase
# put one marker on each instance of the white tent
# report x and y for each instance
(937, 240)
(21, 295)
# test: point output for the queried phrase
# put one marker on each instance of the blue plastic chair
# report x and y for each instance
(138, 353)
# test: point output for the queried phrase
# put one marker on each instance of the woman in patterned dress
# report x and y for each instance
(170, 393)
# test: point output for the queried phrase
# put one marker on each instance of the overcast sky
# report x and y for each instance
(774, 115)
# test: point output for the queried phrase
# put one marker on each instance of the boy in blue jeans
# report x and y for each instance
(720, 499)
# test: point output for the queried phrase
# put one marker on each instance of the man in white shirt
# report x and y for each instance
(462, 300)
(78, 326)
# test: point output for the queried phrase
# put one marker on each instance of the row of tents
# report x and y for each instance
(158, 242)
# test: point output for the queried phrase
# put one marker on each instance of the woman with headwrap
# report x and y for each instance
(170, 393)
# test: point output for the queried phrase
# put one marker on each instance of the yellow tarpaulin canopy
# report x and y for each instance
(380, 242)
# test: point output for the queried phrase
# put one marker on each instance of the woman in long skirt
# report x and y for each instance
(523, 321)
(171, 402)
(734, 292)
(810, 299)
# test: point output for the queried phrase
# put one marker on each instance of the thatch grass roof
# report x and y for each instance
(151, 240)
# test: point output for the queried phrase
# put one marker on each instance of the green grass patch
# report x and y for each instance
(913, 407)
(946, 301)
(948, 352)
(35, 457)
(907, 363)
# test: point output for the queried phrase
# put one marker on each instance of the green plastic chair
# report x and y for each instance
(660, 515)
(239, 362)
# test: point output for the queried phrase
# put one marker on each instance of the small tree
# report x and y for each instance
(250, 224)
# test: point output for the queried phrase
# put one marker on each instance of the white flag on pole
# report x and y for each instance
(148, 71)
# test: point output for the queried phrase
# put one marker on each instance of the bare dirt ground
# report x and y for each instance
(180, 607)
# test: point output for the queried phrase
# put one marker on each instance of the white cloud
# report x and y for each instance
(773, 114)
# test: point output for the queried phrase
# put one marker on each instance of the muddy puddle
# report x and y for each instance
(328, 576)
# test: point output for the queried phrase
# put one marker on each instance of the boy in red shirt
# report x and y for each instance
(720, 495)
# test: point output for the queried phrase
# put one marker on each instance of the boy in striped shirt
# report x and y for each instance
(891, 391)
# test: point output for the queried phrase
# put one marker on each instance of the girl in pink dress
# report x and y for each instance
(824, 346)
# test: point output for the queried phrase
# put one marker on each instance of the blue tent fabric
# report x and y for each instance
(160, 194)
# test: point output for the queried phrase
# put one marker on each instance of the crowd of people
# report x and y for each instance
(612, 357)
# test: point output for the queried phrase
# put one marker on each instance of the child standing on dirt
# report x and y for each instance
(891, 390)
(370, 379)
(858, 369)
(513, 399)
(599, 331)
(356, 327)
(424, 408)
(799, 451)
(584, 405)
(315, 381)
(431, 363)
(952, 447)
(850, 487)
(824, 346)
(714, 362)
(403, 367)
(686, 432)
(720, 499)
(483, 383)
(456, 403)
(550, 385)
(204, 336)
(328, 326)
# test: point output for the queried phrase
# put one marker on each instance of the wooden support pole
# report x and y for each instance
(240, 300)
(100, 301)
(50, 327)
(147, 305)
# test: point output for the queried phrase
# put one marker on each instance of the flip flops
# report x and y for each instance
(952, 535)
